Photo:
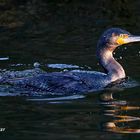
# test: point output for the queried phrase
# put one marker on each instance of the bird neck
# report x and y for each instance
(113, 69)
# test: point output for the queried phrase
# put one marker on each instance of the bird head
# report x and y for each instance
(115, 37)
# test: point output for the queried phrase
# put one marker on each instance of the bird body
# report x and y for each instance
(63, 82)
(72, 82)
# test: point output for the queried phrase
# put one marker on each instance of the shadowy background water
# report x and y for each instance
(66, 32)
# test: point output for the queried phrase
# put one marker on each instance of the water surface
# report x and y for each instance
(111, 114)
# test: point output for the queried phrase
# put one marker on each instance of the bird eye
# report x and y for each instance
(124, 35)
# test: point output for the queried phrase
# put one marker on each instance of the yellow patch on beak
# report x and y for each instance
(121, 38)
(120, 41)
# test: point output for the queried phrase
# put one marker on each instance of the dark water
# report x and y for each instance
(111, 114)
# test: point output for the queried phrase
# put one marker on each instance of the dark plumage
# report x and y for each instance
(72, 82)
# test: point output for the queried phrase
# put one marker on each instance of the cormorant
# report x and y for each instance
(72, 82)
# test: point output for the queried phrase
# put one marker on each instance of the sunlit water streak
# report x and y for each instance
(73, 97)
(4, 58)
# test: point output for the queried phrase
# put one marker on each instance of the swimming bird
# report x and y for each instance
(72, 82)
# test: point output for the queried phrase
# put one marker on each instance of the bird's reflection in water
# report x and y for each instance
(119, 123)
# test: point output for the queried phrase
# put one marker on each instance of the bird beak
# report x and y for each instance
(127, 39)
(130, 39)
